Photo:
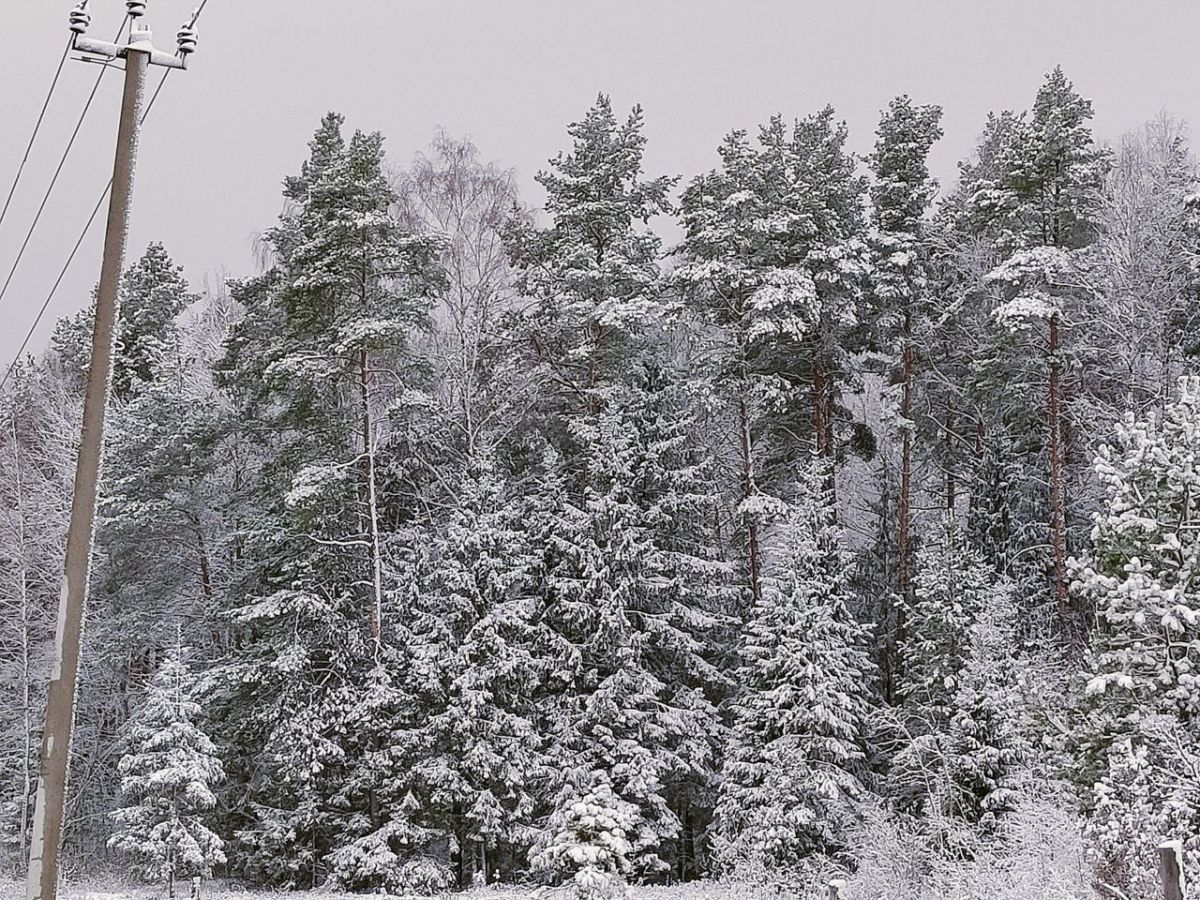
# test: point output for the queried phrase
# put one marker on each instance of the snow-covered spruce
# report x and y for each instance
(168, 774)
(589, 847)
(791, 781)
(1143, 692)
(962, 753)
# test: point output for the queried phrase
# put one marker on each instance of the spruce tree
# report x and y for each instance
(963, 750)
(624, 606)
(589, 847)
(624, 589)
(792, 774)
(168, 774)
(488, 749)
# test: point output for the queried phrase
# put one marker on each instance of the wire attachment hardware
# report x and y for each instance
(187, 39)
(80, 18)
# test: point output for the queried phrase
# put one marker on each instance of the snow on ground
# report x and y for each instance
(12, 890)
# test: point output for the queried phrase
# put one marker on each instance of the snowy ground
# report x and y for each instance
(16, 891)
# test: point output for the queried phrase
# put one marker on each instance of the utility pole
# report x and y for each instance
(139, 54)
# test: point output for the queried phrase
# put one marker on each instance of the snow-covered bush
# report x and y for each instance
(1036, 854)
(372, 862)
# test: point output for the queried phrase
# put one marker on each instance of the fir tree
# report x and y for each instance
(167, 778)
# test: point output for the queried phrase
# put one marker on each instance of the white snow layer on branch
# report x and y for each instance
(1021, 311)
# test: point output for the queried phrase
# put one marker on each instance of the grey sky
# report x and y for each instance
(512, 74)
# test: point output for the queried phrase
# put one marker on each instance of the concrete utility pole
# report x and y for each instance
(1170, 868)
(139, 54)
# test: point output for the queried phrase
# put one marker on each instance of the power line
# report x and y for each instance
(74, 251)
(36, 128)
(57, 172)
(91, 219)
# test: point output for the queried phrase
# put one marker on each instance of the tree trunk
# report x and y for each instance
(903, 502)
(372, 500)
(748, 490)
(822, 427)
(822, 401)
(1058, 528)
(951, 482)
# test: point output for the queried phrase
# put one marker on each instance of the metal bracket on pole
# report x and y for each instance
(140, 41)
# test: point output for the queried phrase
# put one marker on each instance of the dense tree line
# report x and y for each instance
(468, 544)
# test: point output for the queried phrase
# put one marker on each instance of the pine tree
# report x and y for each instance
(594, 272)
(1049, 171)
(167, 778)
(323, 351)
(759, 311)
(776, 256)
(900, 196)
(152, 294)
(792, 774)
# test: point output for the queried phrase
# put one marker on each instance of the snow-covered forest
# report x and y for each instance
(797, 520)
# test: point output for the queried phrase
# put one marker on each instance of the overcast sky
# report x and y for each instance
(512, 74)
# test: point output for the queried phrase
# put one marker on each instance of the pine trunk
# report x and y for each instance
(822, 430)
(903, 502)
(822, 402)
(202, 557)
(1058, 529)
(748, 489)
(903, 506)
